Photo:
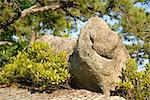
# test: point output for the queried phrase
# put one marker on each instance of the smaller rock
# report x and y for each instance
(65, 44)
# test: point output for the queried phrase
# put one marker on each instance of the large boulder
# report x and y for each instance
(98, 58)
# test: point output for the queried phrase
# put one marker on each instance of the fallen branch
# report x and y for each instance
(5, 42)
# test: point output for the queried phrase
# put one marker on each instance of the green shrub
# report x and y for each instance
(134, 85)
(8, 51)
(38, 65)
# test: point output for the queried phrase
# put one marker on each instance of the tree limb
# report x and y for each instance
(5, 42)
(35, 9)
(28, 11)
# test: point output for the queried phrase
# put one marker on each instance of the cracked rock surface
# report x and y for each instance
(98, 58)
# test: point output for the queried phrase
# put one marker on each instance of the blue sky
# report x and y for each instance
(111, 22)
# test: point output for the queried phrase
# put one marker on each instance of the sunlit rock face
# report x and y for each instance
(99, 57)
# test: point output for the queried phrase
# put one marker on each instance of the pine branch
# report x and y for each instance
(35, 9)
(28, 11)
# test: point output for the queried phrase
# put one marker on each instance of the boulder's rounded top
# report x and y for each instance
(97, 20)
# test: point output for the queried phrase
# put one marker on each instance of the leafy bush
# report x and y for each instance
(7, 51)
(38, 65)
(134, 85)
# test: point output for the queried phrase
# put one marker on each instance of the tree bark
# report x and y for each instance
(5, 42)
(35, 9)
(33, 37)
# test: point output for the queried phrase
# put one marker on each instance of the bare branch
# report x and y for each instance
(5, 42)
(35, 9)
(28, 11)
